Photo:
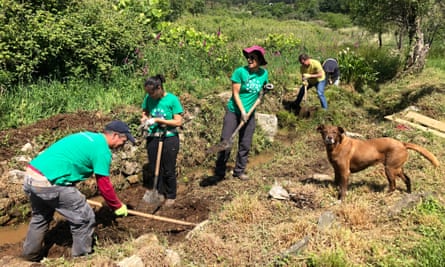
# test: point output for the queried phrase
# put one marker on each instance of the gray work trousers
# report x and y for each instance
(231, 121)
(70, 203)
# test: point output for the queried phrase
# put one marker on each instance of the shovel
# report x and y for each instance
(304, 110)
(226, 144)
(153, 196)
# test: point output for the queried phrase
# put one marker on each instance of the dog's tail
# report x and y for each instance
(428, 155)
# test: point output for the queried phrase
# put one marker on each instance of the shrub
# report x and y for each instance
(355, 69)
(385, 63)
(79, 39)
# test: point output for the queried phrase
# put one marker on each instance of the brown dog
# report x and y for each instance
(348, 155)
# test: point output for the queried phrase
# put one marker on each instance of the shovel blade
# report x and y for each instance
(153, 197)
(224, 145)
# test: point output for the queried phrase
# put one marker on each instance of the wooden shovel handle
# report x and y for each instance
(146, 215)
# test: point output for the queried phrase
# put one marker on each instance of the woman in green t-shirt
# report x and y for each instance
(162, 113)
(247, 83)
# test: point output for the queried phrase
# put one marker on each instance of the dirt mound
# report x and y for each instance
(191, 206)
(14, 139)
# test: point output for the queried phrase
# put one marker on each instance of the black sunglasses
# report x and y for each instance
(252, 57)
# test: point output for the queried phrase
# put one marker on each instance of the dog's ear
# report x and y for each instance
(320, 128)
(341, 130)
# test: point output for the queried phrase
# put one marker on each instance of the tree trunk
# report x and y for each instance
(418, 52)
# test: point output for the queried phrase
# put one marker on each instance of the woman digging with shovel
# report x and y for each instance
(247, 83)
(161, 114)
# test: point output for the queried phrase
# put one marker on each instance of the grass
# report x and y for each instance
(253, 230)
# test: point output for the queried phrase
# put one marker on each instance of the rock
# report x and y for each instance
(197, 228)
(325, 220)
(269, 124)
(26, 148)
(133, 179)
(172, 258)
(408, 201)
(130, 167)
(278, 192)
(146, 240)
(133, 261)
(297, 247)
(16, 176)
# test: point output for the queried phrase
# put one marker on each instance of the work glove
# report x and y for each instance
(149, 122)
(305, 83)
(244, 116)
(122, 211)
(306, 76)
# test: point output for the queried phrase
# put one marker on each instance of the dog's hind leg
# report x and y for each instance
(406, 179)
(391, 175)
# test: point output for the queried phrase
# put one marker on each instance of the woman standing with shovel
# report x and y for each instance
(247, 83)
(161, 114)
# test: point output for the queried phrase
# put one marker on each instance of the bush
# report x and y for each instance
(385, 63)
(77, 39)
(336, 21)
(356, 70)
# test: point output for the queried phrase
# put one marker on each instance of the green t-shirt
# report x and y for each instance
(165, 108)
(251, 85)
(75, 158)
(313, 68)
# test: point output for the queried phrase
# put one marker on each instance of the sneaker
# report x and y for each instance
(243, 177)
(169, 202)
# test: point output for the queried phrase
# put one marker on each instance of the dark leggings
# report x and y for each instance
(231, 121)
(167, 183)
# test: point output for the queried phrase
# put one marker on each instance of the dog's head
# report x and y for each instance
(332, 135)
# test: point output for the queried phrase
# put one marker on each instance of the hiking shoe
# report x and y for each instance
(211, 180)
(243, 177)
(169, 202)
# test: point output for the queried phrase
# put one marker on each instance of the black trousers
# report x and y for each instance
(231, 121)
(167, 183)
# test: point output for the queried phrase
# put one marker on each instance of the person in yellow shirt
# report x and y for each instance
(312, 75)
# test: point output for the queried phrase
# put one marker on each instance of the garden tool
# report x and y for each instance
(226, 144)
(153, 196)
(304, 109)
(146, 215)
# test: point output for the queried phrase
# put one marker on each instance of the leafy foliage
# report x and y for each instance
(355, 69)
(65, 40)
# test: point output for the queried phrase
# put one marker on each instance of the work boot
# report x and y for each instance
(243, 177)
(211, 180)
(295, 108)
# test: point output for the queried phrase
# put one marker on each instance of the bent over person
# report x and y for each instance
(313, 75)
(332, 71)
(50, 182)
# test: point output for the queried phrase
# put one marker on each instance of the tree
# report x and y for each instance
(407, 16)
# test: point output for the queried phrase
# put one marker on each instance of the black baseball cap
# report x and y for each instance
(120, 127)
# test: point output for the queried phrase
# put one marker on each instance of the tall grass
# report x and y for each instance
(27, 104)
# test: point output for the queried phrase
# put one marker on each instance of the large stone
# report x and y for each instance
(269, 124)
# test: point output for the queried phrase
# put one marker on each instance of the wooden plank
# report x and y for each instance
(427, 121)
(415, 125)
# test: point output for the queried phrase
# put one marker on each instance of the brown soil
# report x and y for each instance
(194, 203)
(190, 206)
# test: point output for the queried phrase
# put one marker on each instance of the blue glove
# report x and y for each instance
(122, 211)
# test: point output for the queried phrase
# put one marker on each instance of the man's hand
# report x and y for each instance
(244, 116)
(305, 83)
(122, 211)
(306, 76)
